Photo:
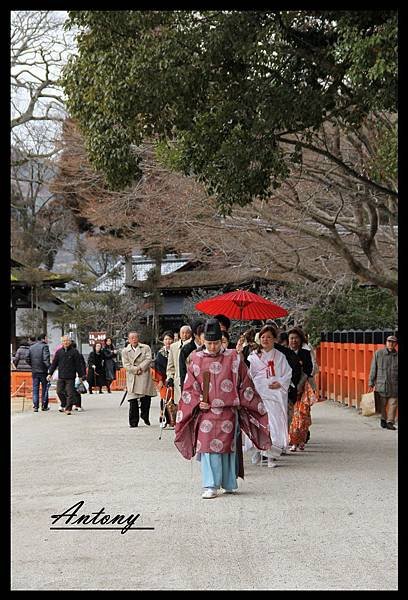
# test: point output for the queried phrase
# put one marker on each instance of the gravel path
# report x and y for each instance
(325, 519)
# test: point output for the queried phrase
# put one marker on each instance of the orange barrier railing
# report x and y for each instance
(22, 382)
(120, 381)
(18, 378)
(22, 385)
(344, 370)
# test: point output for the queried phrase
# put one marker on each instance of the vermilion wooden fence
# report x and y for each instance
(344, 370)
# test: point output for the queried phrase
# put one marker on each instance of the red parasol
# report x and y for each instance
(241, 305)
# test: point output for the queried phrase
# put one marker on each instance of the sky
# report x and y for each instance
(38, 41)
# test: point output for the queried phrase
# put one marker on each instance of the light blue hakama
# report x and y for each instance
(220, 470)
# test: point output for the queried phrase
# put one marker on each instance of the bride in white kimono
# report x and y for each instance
(271, 374)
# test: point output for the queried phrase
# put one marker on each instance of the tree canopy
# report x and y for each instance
(224, 89)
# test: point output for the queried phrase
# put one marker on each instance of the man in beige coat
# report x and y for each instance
(136, 359)
(173, 361)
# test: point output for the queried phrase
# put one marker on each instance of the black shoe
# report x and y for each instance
(133, 426)
(35, 409)
(307, 437)
(391, 426)
(383, 423)
(45, 408)
(147, 422)
(100, 391)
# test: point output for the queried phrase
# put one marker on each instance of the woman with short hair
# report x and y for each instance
(301, 420)
(109, 355)
(158, 370)
(96, 368)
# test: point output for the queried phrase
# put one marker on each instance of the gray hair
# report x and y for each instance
(185, 328)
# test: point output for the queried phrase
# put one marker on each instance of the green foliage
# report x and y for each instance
(169, 155)
(383, 165)
(224, 85)
(371, 49)
(354, 307)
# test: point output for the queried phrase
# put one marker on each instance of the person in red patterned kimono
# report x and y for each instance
(212, 429)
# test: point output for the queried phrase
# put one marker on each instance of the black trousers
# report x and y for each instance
(77, 398)
(145, 402)
(66, 391)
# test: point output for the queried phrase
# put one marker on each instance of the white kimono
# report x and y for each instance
(265, 369)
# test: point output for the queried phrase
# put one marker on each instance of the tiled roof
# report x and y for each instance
(215, 278)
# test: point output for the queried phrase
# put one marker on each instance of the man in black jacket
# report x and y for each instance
(39, 360)
(77, 396)
(68, 362)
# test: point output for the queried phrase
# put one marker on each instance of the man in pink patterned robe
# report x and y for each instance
(212, 429)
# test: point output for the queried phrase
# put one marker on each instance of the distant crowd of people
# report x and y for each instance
(222, 399)
(69, 368)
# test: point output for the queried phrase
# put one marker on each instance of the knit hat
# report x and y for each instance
(212, 330)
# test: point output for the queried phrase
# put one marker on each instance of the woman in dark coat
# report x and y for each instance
(158, 371)
(96, 368)
(109, 355)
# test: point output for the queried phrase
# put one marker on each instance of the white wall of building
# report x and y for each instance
(54, 331)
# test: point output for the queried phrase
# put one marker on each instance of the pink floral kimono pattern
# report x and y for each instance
(231, 388)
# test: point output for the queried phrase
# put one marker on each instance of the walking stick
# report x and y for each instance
(163, 420)
(123, 399)
(163, 404)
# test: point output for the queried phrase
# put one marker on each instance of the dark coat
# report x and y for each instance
(110, 363)
(384, 373)
(160, 362)
(96, 377)
(246, 351)
(39, 357)
(305, 358)
(185, 351)
(83, 363)
(296, 366)
(68, 362)
(20, 358)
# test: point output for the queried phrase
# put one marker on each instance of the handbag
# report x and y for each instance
(367, 404)
(81, 388)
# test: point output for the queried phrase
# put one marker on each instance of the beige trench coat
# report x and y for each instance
(173, 367)
(132, 360)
